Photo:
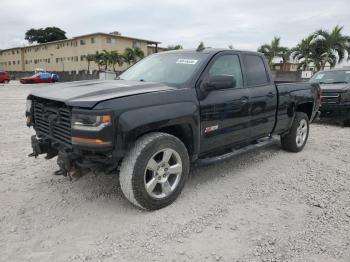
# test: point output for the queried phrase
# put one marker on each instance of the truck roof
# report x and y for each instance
(209, 50)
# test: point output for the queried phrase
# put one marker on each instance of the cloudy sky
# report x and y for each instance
(245, 24)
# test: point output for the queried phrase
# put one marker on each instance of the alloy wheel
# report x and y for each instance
(162, 173)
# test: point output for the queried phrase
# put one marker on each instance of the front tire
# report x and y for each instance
(298, 134)
(154, 171)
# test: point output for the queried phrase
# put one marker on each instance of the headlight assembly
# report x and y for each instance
(345, 97)
(29, 105)
(90, 122)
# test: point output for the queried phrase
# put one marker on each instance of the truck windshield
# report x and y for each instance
(168, 68)
(331, 77)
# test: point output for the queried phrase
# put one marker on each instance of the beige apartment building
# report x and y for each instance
(68, 54)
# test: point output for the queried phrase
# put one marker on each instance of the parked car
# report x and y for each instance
(335, 98)
(167, 111)
(41, 77)
(4, 77)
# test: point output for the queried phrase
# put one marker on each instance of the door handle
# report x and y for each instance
(270, 94)
(244, 100)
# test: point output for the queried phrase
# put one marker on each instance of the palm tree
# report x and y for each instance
(89, 58)
(273, 50)
(335, 45)
(105, 59)
(201, 46)
(132, 55)
(285, 55)
(174, 47)
(115, 58)
(303, 52)
(139, 54)
(99, 59)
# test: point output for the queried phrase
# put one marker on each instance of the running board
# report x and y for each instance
(259, 144)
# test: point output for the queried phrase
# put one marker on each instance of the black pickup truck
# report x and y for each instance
(167, 111)
(335, 94)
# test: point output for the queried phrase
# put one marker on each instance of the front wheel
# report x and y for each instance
(6, 81)
(298, 134)
(154, 171)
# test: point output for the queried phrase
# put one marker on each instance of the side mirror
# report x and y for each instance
(217, 82)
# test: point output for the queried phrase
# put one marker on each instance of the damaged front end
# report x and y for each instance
(79, 138)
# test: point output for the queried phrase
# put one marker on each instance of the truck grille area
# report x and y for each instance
(53, 120)
(330, 98)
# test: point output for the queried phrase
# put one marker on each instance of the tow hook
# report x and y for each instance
(42, 147)
(64, 161)
(35, 146)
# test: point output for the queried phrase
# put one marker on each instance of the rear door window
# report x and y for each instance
(255, 70)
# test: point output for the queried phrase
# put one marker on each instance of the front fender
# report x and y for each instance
(137, 122)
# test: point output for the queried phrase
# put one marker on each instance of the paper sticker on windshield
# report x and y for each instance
(186, 61)
(319, 76)
(347, 72)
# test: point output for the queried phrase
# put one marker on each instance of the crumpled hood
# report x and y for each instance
(89, 93)
(338, 88)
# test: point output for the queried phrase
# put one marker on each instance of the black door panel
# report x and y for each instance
(224, 113)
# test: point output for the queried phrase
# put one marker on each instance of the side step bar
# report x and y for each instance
(259, 144)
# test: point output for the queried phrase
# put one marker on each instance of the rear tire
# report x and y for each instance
(298, 134)
(154, 171)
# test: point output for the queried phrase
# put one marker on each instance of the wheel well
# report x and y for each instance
(182, 132)
(305, 108)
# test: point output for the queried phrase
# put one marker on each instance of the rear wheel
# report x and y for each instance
(298, 134)
(154, 171)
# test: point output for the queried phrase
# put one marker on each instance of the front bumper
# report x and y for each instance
(339, 111)
(73, 157)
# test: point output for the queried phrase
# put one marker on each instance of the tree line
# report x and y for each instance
(320, 48)
(109, 59)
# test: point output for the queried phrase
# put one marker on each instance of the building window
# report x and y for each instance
(82, 42)
(93, 40)
(76, 59)
(9, 62)
(17, 62)
(110, 40)
(136, 43)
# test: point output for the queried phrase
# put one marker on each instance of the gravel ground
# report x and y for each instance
(266, 205)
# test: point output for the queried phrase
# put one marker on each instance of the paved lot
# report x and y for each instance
(267, 205)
